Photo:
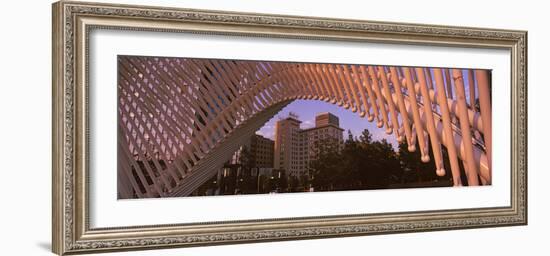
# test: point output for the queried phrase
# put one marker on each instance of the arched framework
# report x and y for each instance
(180, 119)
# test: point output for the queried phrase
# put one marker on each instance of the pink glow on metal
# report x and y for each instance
(175, 114)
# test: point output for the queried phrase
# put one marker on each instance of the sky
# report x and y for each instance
(307, 109)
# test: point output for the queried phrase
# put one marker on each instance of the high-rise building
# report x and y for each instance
(258, 152)
(261, 151)
(327, 130)
(324, 119)
(295, 148)
(287, 143)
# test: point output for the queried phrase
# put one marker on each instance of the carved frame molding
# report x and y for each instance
(72, 22)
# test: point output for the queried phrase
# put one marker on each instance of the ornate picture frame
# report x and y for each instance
(72, 203)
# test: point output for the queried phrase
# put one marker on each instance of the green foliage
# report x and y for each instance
(360, 164)
(245, 159)
(417, 171)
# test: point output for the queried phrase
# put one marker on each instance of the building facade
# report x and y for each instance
(287, 144)
(327, 130)
(229, 179)
(261, 151)
(295, 148)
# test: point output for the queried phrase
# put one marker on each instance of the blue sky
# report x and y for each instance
(307, 109)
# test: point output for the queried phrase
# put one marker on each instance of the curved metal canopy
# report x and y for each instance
(180, 119)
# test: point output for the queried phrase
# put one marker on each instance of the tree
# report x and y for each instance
(366, 137)
(361, 164)
(246, 183)
(417, 171)
(326, 165)
(293, 183)
(245, 160)
(380, 164)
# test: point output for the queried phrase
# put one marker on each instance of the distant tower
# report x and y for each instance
(295, 148)
(324, 119)
(287, 137)
(327, 128)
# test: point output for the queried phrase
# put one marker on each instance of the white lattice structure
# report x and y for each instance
(181, 119)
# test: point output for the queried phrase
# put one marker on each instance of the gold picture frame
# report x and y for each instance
(72, 22)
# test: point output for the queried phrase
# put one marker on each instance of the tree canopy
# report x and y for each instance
(363, 163)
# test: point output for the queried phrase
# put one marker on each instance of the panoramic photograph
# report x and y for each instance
(210, 127)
